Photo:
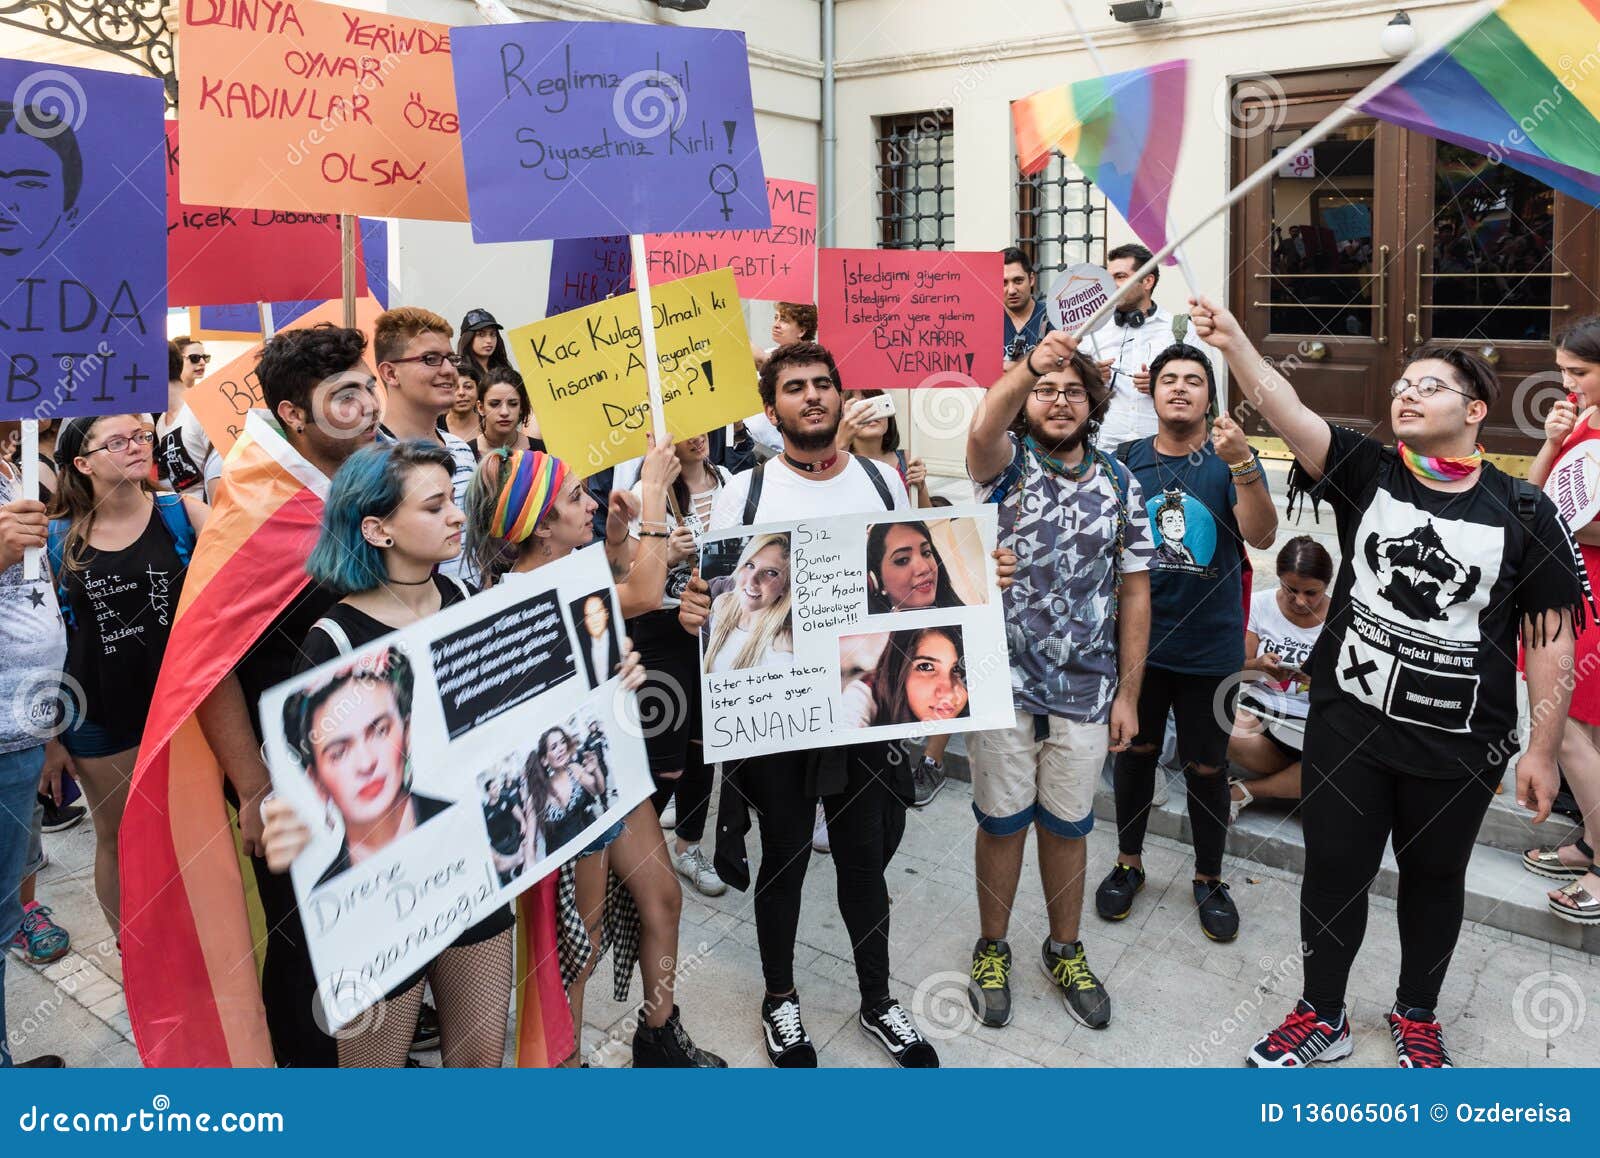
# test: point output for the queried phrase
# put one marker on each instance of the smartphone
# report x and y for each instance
(881, 406)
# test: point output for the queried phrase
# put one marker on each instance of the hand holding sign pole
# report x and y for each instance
(30, 489)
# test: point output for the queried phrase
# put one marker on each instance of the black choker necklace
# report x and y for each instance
(812, 467)
(407, 582)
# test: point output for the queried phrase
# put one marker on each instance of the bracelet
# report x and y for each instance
(659, 523)
(1028, 362)
(1244, 480)
(1241, 467)
(654, 535)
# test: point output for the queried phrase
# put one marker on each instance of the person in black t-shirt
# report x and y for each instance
(1445, 563)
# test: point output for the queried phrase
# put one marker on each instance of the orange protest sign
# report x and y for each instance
(222, 399)
(319, 109)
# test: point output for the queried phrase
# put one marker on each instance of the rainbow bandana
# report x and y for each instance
(1440, 468)
(532, 480)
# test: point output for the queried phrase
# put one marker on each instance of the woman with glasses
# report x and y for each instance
(118, 551)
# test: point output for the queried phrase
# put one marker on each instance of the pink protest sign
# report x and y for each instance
(773, 264)
(897, 318)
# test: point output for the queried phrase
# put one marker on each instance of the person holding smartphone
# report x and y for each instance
(869, 429)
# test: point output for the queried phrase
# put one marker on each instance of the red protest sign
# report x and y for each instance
(772, 264)
(295, 105)
(219, 256)
(897, 318)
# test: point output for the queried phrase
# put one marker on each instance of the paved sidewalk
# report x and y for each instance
(1178, 999)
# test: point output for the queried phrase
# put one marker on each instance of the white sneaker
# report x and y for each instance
(669, 815)
(819, 832)
(693, 867)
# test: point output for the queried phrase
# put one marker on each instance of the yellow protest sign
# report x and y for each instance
(585, 370)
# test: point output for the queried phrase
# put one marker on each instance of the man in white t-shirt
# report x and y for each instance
(859, 785)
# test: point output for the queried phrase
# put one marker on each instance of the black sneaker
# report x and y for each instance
(927, 779)
(669, 1048)
(1113, 900)
(888, 1024)
(59, 818)
(1086, 999)
(1418, 1041)
(1219, 917)
(989, 991)
(788, 1044)
(427, 1035)
(1303, 1038)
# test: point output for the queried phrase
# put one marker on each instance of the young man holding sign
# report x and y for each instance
(1077, 622)
(866, 807)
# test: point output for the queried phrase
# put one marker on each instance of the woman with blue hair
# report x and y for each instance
(389, 521)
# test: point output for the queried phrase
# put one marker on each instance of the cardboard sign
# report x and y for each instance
(218, 255)
(314, 108)
(510, 758)
(1574, 483)
(818, 638)
(83, 249)
(775, 264)
(585, 370)
(223, 397)
(911, 317)
(1077, 294)
(585, 270)
(590, 129)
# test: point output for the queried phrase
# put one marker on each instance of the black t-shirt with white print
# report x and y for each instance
(1417, 663)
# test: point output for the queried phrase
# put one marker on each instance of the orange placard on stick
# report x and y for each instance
(308, 107)
(222, 399)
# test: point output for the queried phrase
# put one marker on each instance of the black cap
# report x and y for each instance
(479, 320)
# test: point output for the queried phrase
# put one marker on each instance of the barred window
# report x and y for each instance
(1061, 218)
(916, 181)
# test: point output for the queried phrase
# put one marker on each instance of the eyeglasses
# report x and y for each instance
(1426, 387)
(433, 360)
(1049, 394)
(198, 359)
(116, 444)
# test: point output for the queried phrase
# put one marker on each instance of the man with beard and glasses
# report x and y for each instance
(1077, 617)
(1207, 499)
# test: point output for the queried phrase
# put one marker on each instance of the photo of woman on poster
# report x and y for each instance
(751, 623)
(506, 812)
(920, 677)
(906, 571)
(352, 736)
(571, 779)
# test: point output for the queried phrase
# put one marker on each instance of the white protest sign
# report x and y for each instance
(1574, 483)
(843, 630)
(1077, 295)
(448, 766)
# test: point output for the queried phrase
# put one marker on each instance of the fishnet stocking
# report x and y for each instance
(473, 988)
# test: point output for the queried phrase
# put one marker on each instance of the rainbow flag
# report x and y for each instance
(1511, 87)
(1121, 130)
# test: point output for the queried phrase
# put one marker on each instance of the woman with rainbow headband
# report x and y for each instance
(527, 509)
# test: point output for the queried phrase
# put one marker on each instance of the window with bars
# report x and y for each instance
(1061, 219)
(916, 181)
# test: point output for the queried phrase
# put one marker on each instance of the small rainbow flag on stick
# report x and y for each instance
(1513, 88)
(1121, 130)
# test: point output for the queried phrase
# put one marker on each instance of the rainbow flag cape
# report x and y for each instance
(1121, 130)
(1511, 87)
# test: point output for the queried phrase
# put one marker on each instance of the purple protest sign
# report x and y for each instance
(83, 242)
(585, 270)
(591, 129)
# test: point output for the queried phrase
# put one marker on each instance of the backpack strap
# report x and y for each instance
(876, 476)
(175, 517)
(1009, 478)
(752, 500)
(340, 637)
(466, 592)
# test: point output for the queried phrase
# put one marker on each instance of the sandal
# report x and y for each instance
(1585, 907)
(1237, 806)
(1547, 862)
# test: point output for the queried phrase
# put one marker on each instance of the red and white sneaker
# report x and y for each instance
(1418, 1040)
(1303, 1038)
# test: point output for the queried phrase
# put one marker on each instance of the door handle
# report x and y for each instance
(1381, 296)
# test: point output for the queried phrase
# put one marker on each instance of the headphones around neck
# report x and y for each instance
(1132, 319)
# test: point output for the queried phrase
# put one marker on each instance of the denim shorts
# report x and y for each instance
(605, 839)
(91, 740)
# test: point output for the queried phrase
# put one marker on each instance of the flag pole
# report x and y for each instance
(30, 490)
(347, 267)
(647, 331)
(1337, 119)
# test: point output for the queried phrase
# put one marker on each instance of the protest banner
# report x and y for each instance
(585, 270)
(1077, 295)
(218, 255)
(776, 264)
(911, 317)
(508, 757)
(83, 248)
(592, 129)
(1574, 482)
(315, 108)
(585, 370)
(842, 630)
(223, 397)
